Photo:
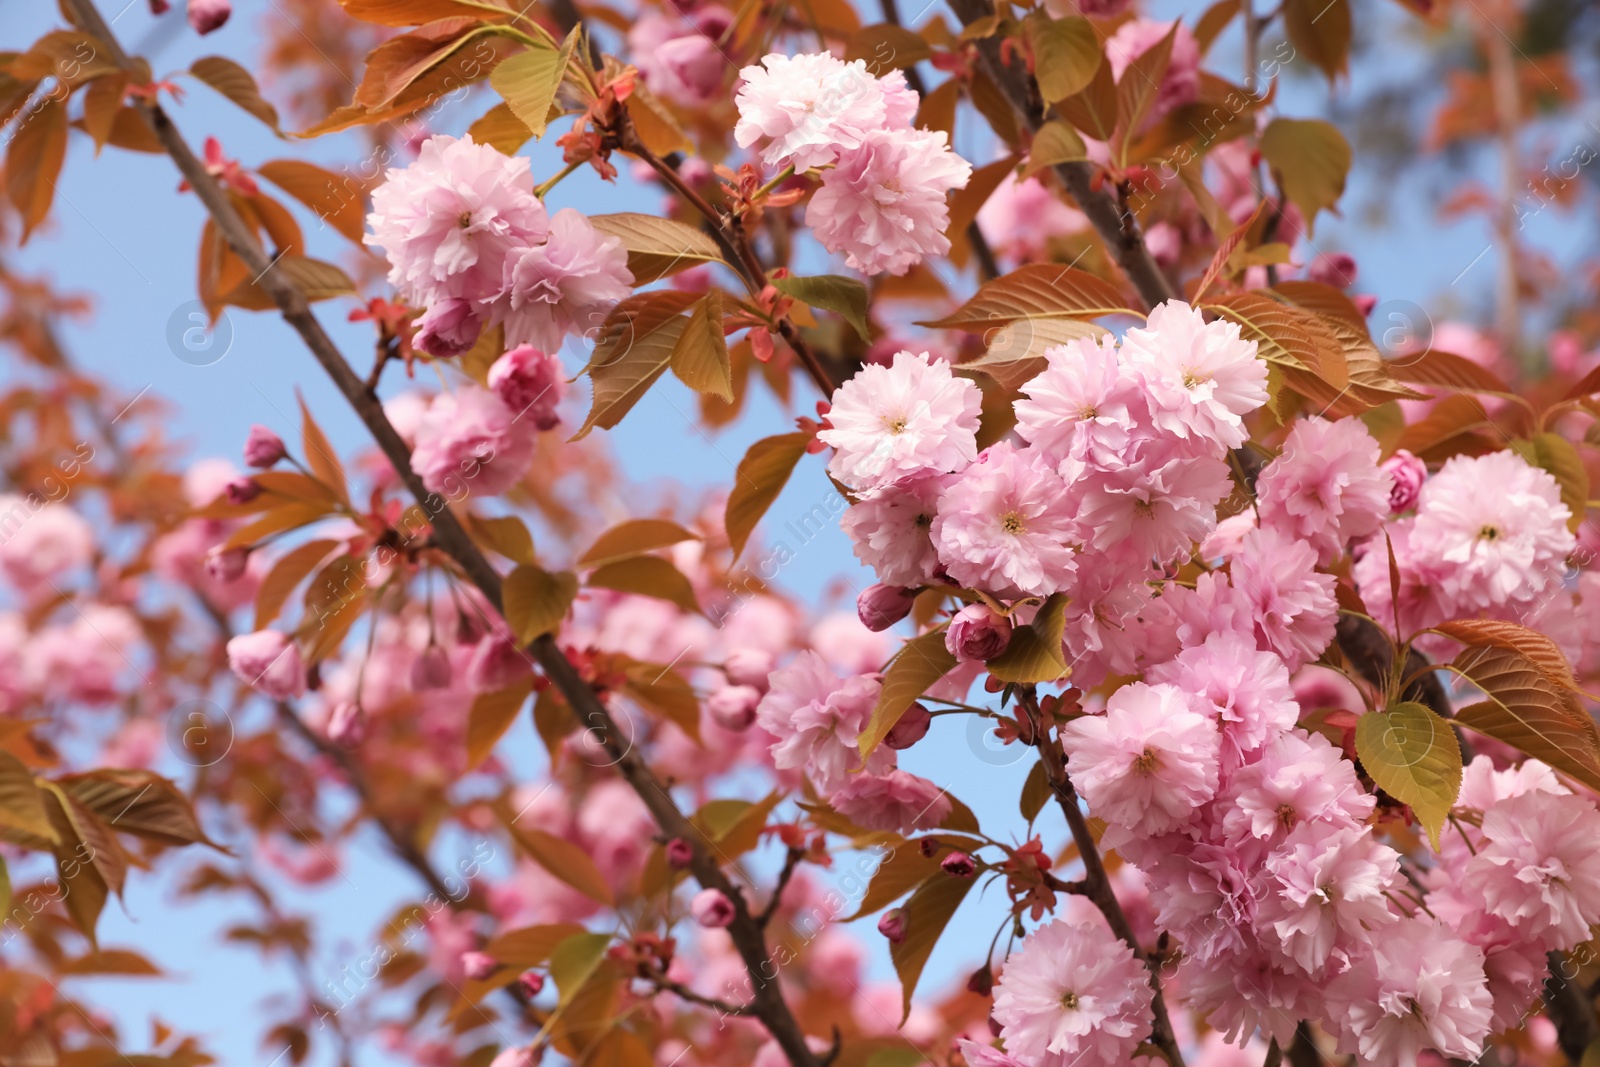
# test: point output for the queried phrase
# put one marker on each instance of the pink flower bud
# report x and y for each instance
(242, 490)
(892, 924)
(227, 564)
(1408, 473)
(496, 663)
(515, 1056)
(748, 666)
(262, 447)
(978, 632)
(532, 983)
(981, 981)
(269, 662)
(712, 909)
(478, 965)
(347, 724)
(431, 669)
(1337, 269)
(208, 15)
(448, 329)
(1365, 302)
(733, 707)
(679, 853)
(159, 7)
(912, 727)
(881, 606)
(959, 865)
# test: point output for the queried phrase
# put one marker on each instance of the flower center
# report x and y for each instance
(895, 425)
(1193, 379)
(1286, 816)
(465, 220)
(1146, 762)
(1489, 533)
(923, 522)
(1069, 1001)
(1011, 522)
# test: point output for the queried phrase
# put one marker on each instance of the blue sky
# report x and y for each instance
(124, 235)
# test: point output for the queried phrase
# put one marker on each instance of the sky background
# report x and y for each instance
(121, 233)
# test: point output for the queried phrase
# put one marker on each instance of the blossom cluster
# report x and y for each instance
(881, 203)
(470, 242)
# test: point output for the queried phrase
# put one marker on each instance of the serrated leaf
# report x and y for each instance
(920, 662)
(500, 127)
(1138, 89)
(286, 573)
(1412, 754)
(238, 85)
(647, 576)
(101, 100)
(664, 691)
(536, 600)
(21, 806)
(634, 348)
(335, 199)
(928, 912)
(1445, 370)
(1311, 160)
(528, 81)
(1095, 109)
(1285, 334)
(1560, 458)
(1034, 652)
(700, 358)
(1539, 650)
(898, 873)
(490, 717)
(1055, 142)
(1529, 712)
(138, 802)
(761, 476)
(1066, 54)
(634, 538)
(1036, 290)
(1015, 351)
(846, 297)
(658, 247)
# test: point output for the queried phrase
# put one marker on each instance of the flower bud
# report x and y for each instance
(978, 632)
(912, 727)
(959, 865)
(532, 982)
(242, 490)
(447, 329)
(496, 663)
(892, 924)
(515, 1056)
(262, 447)
(1337, 269)
(1408, 473)
(431, 669)
(227, 564)
(712, 909)
(347, 724)
(679, 853)
(881, 606)
(748, 666)
(208, 15)
(981, 981)
(478, 965)
(733, 707)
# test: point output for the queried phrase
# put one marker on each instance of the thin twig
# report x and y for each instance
(791, 861)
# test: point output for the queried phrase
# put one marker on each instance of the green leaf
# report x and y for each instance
(574, 962)
(1035, 291)
(700, 358)
(536, 601)
(1557, 455)
(1056, 142)
(1311, 159)
(1035, 793)
(1066, 54)
(490, 717)
(1138, 88)
(761, 476)
(21, 806)
(528, 81)
(928, 912)
(647, 576)
(920, 662)
(658, 247)
(1412, 754)
(634, 537)
(831, 292)
(1034, 652)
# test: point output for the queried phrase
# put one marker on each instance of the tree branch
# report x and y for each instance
(767, 1001)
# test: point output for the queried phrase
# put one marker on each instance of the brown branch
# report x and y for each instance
(767, 1000)
(1117, 227)
(664, 984)
(791, 861)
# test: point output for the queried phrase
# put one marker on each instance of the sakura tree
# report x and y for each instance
(1291, 618)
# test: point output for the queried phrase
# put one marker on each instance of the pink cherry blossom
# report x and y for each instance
(1153, 510)
(813, 107)
(1148, 763)
(896, 801)
(1020, 218)
(1073, 994)
(268, 661)
(1005, 525)
(911, 417)
(889, 529)
(1297, 778)
(566, 285)
(1202, 377)
(469, 443)
(883, 205)
(816, 717)
(1539, 869)
(1327, 896)
(1326, 488)
(448, 221)
(1086, 405)
(530, 383)
(1248, 690)
(1292, 603)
